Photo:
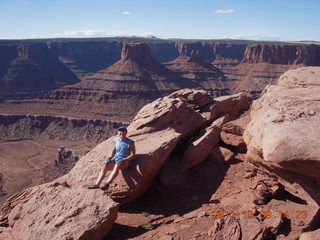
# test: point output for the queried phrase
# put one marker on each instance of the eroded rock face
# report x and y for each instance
(284, 127)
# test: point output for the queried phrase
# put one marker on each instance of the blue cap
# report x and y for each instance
(122, 128)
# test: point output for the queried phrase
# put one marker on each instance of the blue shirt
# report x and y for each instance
(122, 147)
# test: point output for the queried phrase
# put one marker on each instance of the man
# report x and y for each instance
(123, 152)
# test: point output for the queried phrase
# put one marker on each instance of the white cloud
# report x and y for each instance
(254, 37)
(83, 33)
(126, 12)
(100, 33)
(224, 11)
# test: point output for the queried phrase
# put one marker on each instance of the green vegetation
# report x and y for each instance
(146, 214)
(147, 226)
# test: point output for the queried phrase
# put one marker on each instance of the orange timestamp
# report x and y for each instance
(263, 214)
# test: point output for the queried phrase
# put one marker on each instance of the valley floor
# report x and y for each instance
(27, 162)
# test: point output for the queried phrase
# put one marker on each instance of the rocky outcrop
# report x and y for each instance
(232, 105)
(137, 64)
(223, 110)
(282, 137)
(199, 149)
(157, 129)
(283, 129)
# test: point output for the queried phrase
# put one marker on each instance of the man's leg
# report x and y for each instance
(113, 174)
(102, 174)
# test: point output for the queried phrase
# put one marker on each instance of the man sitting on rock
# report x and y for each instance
(123, 151)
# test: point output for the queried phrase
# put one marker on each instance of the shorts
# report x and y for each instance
(117, 159)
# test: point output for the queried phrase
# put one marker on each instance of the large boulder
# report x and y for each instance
(157, 129)
(284, 128)
(54, 211)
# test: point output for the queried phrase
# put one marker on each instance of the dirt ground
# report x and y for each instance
(181, 212)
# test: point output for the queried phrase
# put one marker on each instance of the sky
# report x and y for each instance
(283, 20)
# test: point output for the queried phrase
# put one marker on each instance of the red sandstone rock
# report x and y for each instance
(284, 123)
(312, 235)
(221, 155)
(200, 148)
(232, 105)
(54, 211)
(235, 141)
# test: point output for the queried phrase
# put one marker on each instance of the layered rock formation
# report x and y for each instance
(130, 83)
(195, 68)
(84, 57)
(126, 77)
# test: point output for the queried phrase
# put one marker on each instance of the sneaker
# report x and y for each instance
(105, 187)
(95, 186)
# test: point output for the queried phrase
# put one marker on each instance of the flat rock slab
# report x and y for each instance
(59, 212)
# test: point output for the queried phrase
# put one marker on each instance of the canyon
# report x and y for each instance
(76, 78)
(230, 167)
(74, 93)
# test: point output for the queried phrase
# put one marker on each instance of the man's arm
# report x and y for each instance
(132, 152)
(112, 154)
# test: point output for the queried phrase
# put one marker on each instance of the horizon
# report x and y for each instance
(285, 21)
(156, 38)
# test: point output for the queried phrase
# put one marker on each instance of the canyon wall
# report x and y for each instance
(30, 67)
(101, 79)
